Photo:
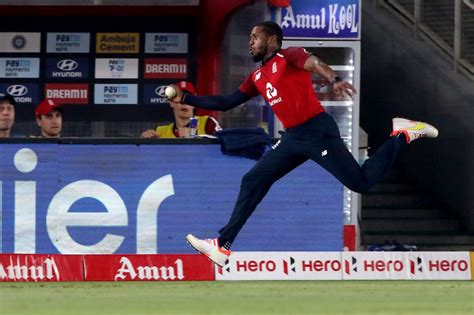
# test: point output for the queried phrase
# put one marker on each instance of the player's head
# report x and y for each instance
(265, 38)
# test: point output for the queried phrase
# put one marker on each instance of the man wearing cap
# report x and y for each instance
(49, 117)
(7, 115)
(182, 116)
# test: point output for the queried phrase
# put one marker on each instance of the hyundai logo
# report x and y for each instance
(17, 90)
(160, 91)
(67, 65)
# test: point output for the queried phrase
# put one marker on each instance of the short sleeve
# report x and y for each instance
(248, 88)
(296, 56)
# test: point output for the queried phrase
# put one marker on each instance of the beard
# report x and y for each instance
(257, 58)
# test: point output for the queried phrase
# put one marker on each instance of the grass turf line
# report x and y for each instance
(245, 297)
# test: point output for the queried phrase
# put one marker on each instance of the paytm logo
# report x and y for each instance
(68, 38)
(16, 63)
(60, 219)
(115, 89)
(67, 65)
(117, 65)
(167, 38)
(17, 90)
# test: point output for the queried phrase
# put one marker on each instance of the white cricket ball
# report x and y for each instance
(170, 92)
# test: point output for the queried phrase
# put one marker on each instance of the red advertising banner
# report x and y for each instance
(166, 68)
(184, 267)
(35, 268)
(65, 93)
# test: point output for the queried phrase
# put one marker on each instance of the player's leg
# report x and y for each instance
(340, 162)
(331, 153)
(283, 158)
(276, 163)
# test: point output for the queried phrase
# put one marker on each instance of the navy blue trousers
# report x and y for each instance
(317, 139)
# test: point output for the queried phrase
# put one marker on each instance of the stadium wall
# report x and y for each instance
(144, 199)
(405, 77)
(241, 266)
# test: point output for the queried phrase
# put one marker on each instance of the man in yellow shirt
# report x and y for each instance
(182, 117)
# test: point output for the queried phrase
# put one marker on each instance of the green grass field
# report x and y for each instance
(246, 297)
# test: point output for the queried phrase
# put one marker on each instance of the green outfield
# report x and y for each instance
(246, 297)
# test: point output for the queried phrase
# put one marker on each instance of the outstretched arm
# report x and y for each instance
(215, 102)
(314, 64)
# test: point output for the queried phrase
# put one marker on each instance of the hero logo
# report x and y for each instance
(289, 265)
(17, 90)
(67, 65)
(59, 219)
(416, 265)
(271, 93)
(350, 265)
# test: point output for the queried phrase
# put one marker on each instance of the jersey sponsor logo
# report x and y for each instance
(272, 93)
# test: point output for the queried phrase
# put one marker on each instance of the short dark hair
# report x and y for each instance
(7, 98)
(271, 28)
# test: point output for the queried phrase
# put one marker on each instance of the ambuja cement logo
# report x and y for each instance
(58, 217)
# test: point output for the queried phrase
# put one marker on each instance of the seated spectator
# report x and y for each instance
(49, 117)
(182, 115)
(7, 115)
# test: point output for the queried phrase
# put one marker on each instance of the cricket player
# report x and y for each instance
(284, 80)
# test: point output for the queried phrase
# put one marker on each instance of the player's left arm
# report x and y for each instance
(316, 65)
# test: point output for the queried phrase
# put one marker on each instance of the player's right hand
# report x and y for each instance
(179, 94)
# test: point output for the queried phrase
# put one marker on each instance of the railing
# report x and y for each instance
(448, 24)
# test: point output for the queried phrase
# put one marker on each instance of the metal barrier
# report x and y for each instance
(447, 24)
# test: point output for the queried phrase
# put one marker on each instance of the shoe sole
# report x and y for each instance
(214, 262)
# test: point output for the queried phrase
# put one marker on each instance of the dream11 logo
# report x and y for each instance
(58, 217)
